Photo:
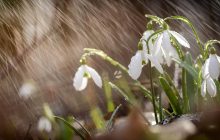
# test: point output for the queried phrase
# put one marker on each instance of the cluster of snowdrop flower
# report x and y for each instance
(161, 51)
(210, 72)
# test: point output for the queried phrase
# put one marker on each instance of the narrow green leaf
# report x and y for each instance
(70, 126)
(170, 81)
(110, 122)
(123, 84)
(218, 90)
(171, 95)
(66, 132)
(120, 91)
(188, 68)
(190, 83)
(97, 118)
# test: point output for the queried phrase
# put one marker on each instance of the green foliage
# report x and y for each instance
(171, 95)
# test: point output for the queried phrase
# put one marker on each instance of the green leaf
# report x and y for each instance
(170, 81)
(191, 87)
(97, 118)
(66, 132)
(110, 122)
(119, 91)
(70, 126)
(218, 90)
(171, 95)
(188, 68)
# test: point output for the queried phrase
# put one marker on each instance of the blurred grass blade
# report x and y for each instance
(48, 112)
(110, 122)
(66, 132)
(70, 126)
(171, 95)
(108, 93)
(122, 83)
(119, 91)
(97, 118)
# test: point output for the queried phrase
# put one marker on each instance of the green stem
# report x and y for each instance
(90, 52)
(160, 108)
(208, 44)
(151, 84)
(189, 23)
(185, 96)
(153, 94)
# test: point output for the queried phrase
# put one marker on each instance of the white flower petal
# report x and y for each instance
(157, 49)
(135, 66)
(155, 63)
(144, 44)
(214, 67)
(144, 38)
(180, 39)
(44, 124)
(83, 84)
(147, 34)
(167, 48)
(211, 87)
(79, 81)
(95, 76)
(205, 69)
(157, 46)
(203, 88)
(218, 58)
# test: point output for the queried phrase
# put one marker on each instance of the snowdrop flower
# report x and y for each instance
(210, 71)
(139, 60)
(208, 85)
(212, 66)
(44, 124)
(80, 79)
(164, 49)
(144, 38)
(26, 90)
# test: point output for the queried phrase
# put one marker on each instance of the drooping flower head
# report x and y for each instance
(84, 72)
(212, 66)
(210, 72)
(164, 49)
(141, 58)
